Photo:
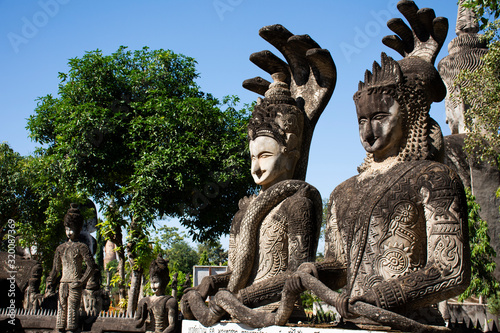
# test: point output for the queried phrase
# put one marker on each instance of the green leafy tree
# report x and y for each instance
(483, 265)
(480, 90)
(36, 197)
(172, 245)
(484, 9)
(135, 127)
(182, 257)
(212, 253)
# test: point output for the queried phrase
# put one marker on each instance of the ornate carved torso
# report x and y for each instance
(287, 234)
(72, 256)
(401, 232)
(158, 312)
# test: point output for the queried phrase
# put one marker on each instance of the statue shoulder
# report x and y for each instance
(342, 187)
(306, 195)
(436, 175)
(83, 247)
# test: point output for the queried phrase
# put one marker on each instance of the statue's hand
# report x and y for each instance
(76, 284)
(205, 288)
(368, 297)
(342, 306)
(310, 71)
(294, 282)
(426, 36)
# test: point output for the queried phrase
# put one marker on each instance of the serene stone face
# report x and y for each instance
(71, 233)
(380, 125)
(156, 286)
(270, 164)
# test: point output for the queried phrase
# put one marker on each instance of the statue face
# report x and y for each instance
(380, 125)
(71, 233)
(156, 286)
(270, 164)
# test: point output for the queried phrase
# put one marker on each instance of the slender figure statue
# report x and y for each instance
(68, 261)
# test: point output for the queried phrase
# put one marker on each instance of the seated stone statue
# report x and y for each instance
(160, 309)
(397, 233)
(68, 260)
(277, 230)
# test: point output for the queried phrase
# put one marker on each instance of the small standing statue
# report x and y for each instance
(161, 309)
(68, 259)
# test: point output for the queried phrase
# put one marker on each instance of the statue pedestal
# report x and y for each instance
(192, 326)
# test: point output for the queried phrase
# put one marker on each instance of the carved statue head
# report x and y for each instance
(159, 275)
(275, 135)
(393, 106)
(73, 221)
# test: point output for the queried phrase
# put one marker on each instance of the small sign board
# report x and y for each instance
(199, 272)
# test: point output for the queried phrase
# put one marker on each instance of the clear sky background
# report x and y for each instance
(38, 37)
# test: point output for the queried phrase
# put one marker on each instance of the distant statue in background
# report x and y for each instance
(32, 297)
(68, 261)
(173, 285)
(187, 282)
(159, 310)
(465, 53)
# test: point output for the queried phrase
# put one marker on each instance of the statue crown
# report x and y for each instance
(278, 116)
(384, 78)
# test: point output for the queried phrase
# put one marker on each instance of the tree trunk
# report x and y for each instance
(134, 291)
(122, 292)
(117, 240)
(135, 233)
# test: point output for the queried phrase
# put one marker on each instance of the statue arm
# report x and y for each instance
(172, 310)
(142, 312)
(210, 284)
(447, 271)
(89, 261)
(303, 231)
(56, 268)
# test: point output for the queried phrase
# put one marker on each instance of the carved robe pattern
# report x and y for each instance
(284, 238)
(69, 258)
(403, 234)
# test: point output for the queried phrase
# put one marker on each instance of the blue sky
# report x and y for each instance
(38, 37)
